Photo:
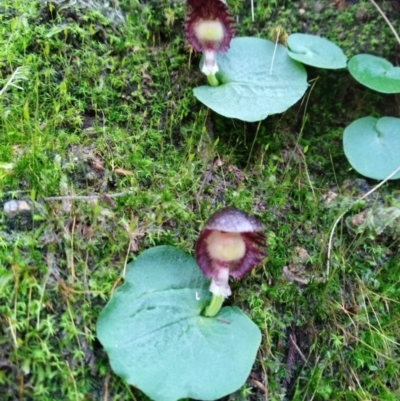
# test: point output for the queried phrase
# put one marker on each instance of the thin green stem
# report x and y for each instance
(212, 80)
(215, 305)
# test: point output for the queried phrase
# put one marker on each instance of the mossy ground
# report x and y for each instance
(108, 108)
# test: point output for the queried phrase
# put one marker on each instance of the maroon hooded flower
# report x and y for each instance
(209, 28)
(232, 243)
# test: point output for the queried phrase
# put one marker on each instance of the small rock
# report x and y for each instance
(302, 254)
(329, 197)
(14, 207)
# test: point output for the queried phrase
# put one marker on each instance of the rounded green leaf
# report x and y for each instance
(316, 51)
(157, 340)
(257, 78)
(372, 146)
(375, 73)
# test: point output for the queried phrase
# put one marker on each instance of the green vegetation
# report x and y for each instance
(181, 351)
(369, 138)
(106, 119)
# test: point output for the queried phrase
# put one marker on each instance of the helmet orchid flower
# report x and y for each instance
(231, 243)
(209, 28)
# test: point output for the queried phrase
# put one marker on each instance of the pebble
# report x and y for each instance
(13, 207)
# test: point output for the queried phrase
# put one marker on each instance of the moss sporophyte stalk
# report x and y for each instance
(231, 243)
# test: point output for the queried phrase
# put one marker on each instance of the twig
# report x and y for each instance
(387, 20)
(341, 216)
(293, 342)
(291, 357)
(86, 197)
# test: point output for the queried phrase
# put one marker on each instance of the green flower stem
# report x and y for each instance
(212, 80)
(215, 305)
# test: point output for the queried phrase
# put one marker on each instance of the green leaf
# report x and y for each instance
(257, 78)
(157, 340)
(372, 146)
(316, 51)
(375, 73)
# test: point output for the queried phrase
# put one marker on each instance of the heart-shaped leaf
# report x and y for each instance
(157, 340)
(372, 146)
(316, 51)
(257, 78)
(375, 73)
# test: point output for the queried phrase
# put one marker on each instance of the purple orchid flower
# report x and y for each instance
(209, 28)
(231, 243)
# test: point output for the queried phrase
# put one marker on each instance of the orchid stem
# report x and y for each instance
(215, 305)
(212, 80)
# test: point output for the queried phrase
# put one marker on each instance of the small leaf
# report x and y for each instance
(257, 78)
(316, 51)
(157, 340)
(372, 146)
(375, 73)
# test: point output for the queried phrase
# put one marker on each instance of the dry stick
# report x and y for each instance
(265, 380)
(387, 20)
(293, 342)
(126, 259)
(341, 216)
(86, 197)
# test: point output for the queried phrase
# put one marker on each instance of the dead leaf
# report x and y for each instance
(122, 171)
